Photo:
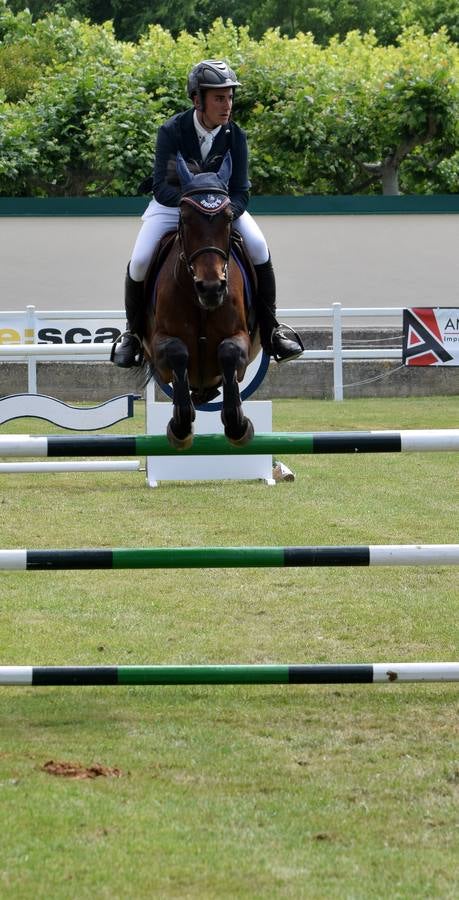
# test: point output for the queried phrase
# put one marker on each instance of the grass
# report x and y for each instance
(248, 792)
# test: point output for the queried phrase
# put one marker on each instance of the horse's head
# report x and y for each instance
(205, 227)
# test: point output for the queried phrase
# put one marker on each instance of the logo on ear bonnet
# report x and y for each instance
(208, 203)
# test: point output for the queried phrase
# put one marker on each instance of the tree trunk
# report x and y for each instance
(387, 170)
(389, 180)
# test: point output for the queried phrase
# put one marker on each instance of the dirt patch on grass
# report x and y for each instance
(77, 770)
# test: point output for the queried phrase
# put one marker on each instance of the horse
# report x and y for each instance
(197, 334)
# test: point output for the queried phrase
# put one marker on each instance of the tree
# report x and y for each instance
(132, 19)
(344, 118)
(431, 15)
(328, 18)
(323, 18)
(416, 105)
(350, 117)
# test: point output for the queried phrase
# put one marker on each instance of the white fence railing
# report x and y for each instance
(82, 335)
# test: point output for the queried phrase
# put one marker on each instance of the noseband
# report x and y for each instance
(210, 204)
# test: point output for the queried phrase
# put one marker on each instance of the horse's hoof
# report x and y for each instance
(245, 437)
(176, 442)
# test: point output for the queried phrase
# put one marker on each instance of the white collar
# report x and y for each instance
(204, 132)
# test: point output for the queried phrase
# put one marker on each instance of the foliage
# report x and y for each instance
(80, 109)
(432, 15)
(323, 18)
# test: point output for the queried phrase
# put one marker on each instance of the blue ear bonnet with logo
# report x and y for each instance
(208, 191)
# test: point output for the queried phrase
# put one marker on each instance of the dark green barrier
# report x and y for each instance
(259, 206)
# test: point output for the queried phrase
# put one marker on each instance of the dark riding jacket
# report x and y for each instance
(179, 133)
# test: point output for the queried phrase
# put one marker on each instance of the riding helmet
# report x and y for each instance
(210, 73)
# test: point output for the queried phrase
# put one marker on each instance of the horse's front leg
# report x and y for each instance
(233, 359)
(172, 355)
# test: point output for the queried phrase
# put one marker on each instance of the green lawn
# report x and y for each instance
(340, 791)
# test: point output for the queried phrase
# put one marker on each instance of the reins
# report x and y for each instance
(216, 203)
(189, 258)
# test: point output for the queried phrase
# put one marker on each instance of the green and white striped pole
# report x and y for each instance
(231, 557)
(364, 673)
(217, 444)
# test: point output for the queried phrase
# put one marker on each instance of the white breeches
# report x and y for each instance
(158, 219)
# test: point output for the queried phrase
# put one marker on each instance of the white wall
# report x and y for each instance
(360, 260)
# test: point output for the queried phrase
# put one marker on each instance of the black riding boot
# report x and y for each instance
(279, 341)
(127, 352)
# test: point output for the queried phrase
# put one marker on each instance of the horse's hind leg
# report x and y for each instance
(233, 357)
(172, 354)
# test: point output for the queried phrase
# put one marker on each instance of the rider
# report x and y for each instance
(203, 134)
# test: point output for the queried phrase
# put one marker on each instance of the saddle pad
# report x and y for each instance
(248, 296)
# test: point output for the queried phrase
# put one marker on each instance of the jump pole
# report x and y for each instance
(446, 439)
(371, 673)
(231, 557)
(123, 465)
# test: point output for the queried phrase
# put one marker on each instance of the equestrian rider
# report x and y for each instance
(203, 134)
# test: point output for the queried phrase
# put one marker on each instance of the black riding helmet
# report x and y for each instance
(210, 73)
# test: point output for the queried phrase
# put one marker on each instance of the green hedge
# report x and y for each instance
(79, 110)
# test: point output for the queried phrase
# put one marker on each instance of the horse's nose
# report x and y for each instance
(211, 293)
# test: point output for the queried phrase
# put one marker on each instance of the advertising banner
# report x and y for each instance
(40, 328)
(431, 336)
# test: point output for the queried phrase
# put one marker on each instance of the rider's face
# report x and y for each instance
(218, 103)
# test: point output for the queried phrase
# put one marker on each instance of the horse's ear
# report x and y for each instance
(226, 168)
(183, 171)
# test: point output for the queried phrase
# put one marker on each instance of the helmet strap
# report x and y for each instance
(198, 101)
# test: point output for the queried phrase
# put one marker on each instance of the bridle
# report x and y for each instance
(210, 204)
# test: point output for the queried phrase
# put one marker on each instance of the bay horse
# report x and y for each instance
(196, 332)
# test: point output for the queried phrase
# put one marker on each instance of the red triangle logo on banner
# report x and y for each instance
(413, 337)
(423, 359)
(429, 319)
(422, 339)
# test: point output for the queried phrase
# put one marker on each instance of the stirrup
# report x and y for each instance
(283, 332)
(138, 354)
